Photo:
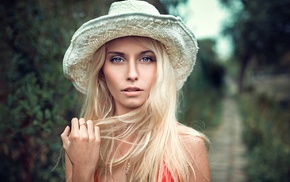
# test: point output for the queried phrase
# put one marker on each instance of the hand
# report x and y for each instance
(81, 145)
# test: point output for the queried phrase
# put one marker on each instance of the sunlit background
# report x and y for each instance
(206, 19)
(238, 93)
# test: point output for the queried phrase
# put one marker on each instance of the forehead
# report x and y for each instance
(125, 44)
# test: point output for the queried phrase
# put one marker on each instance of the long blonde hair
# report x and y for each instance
(156, 147)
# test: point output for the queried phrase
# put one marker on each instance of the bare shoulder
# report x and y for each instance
(195, 145)
(192, 137)
(194, 141)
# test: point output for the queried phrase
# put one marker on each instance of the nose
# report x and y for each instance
(132, 71)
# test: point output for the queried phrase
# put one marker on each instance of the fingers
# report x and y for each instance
(93, 131)
(83, 127)
(65, 135)
(97, 133)
(90, 126)
(74, 125)
(85, 130)
(79, 126)
(82, 122)
(66, 132)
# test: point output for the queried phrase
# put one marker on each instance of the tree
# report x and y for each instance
(260, 32)
(203, 89)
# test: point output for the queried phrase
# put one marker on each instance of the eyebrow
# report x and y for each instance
(116, 52)
(145, 52)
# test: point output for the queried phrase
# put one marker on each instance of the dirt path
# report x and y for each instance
(227, 161)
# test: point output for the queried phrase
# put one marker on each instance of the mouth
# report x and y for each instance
(132, 89)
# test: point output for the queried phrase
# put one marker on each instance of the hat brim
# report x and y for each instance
(180, 43)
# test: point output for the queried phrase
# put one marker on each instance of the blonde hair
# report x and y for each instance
(156, 147)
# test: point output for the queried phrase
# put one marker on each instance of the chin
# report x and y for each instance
(133, 106)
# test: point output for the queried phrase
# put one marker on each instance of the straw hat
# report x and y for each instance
(130, 18)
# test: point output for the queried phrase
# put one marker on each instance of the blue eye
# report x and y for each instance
(146, 59)
(116, 59)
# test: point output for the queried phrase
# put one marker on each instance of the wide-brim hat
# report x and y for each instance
(130, 18)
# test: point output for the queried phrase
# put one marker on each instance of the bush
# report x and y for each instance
(36, 100)
(203, 91)
(267, 136)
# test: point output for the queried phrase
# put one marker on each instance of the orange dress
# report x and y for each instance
(166, 177)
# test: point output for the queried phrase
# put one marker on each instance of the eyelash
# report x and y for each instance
(148, 58)
(120, 59)
(113, 59)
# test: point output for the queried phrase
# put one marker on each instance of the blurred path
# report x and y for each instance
(227, 151)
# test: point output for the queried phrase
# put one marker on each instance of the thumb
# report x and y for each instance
(65, 135)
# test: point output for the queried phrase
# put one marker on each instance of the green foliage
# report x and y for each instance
(267, 136)
(261, 29)
(260, 33)
(203, 90)
(36, 100)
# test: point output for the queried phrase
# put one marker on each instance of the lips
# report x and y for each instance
(132, 89)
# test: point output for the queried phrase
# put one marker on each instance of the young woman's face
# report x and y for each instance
(130, 72)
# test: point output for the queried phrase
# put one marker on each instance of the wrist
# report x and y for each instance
(83, 174)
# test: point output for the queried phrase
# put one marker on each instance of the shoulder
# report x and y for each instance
(191, 137)
(194, 144)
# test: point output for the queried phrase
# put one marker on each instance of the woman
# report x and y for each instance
(130, 65)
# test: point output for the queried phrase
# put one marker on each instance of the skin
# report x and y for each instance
(199, 157)
(130, 72)
(81, 144)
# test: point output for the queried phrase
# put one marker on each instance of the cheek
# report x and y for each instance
(153, 74)
(111, 85)
(109, 73)
(150, 76)
(109, 78)
(111, 81)
(153, 78)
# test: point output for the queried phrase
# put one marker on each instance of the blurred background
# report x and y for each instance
(244, 56)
